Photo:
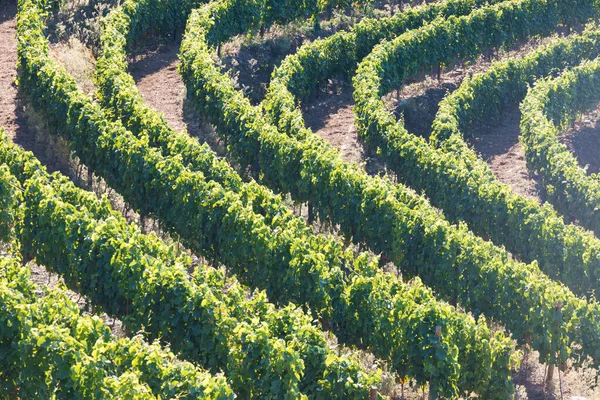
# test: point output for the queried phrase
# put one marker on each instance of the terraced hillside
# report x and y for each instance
(377, 254)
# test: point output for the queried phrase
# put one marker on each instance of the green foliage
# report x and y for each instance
(245, 226)
(446, 180)
(141, 173)
(256, 143)
(124, 284)
(142, 281)
(10, 196)
(456, 184)
(549, 108)
(387, 217)
(118, 92)
(50, 350)
(339, 55)
(533, 231)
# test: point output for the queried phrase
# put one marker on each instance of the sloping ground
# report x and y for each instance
(14, 116)
(156, 77)
(161, 87)
(583, 140)
(13, 119)
(499, 145)
(332, 118)
(11, 115)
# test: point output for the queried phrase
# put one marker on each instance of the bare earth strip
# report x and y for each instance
(499, 146)
(162, 89)
(12, 111)
(8, 71)
(160, 85)
(332, 118)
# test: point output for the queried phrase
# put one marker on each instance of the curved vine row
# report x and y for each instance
(247, 228)
(339, 55)
(537, 232)
(411, 233)
(416, 312)
(119, 95)
(208, 319)
(549, 108)
(450, 183)
(533, 232)
(49, 348)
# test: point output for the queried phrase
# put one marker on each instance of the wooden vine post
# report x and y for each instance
(310, 213)
(90, 179)
(373, 393)
(438, 335)
(143, 222)
(556, 342)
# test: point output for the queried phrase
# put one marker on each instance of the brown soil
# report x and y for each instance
(11, 114)
(156, 76)
(332, 118)
(157, 79)
(583, 140)
(499, 146)
(330, 115)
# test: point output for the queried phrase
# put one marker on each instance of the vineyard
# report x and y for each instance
(261, 199)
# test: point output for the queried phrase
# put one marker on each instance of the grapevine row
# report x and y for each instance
(120, 157)
(339, 55)
(547, 110)
(208, 319)
(119, 93)
(459, 265)
(49, 348)
(536, 231)
(446, 179)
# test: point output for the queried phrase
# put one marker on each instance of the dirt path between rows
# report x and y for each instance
(162, 89)
(583, 141)
(332, 118)
(159, 83)
(499, 146)
(12, 113)
(11, 117)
